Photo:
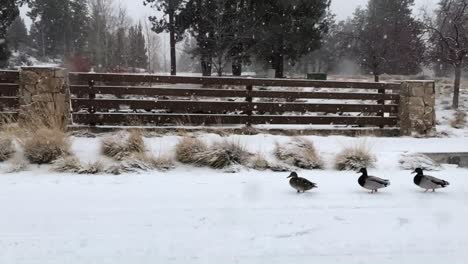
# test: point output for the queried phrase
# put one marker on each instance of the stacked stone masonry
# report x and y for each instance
(44, 93)
(417, 108)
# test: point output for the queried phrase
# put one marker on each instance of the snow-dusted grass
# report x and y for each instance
(7, 148)
(299, 152)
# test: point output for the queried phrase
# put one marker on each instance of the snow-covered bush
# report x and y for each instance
(299, 152)
(258, 162)
(412, 161)
(188, 150)
(459, 120)
(7, 148)
(123, 144)
(45, 145)
(355, 157)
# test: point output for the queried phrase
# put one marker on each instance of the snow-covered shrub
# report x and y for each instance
(67, 164)
(17, 164)
(188, 149)
(355, 157)
(459, 120)
(412, 161)
(223, 154)
(7, 148)
(123, 144)
(45, 145)
(299, 152)
(258, 162)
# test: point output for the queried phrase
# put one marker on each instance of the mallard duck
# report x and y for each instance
(300, 184)
(428, 182)
(371, 182)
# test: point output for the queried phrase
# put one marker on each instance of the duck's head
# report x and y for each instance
(292, 175)
(363, 171)
(418, 171)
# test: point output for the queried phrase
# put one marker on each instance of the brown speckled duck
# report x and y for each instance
(300, 184)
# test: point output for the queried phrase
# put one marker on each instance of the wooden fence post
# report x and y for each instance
(92, 96)
(249, 99)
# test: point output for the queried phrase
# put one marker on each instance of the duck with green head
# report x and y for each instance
(428, 182)
(300, 184)
(371, 182)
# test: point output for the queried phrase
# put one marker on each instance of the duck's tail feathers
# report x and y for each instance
(445, 184)
(387, 183)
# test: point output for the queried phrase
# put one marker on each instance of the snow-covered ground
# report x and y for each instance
(197, 215)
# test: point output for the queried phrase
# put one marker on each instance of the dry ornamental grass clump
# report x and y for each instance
(299, 152)
(123, 145)
(259, 162)
(224, 154)
(355, 157)
(459, 120)
(188, 150)
(45, 145)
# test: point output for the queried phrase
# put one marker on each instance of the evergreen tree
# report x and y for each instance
(173, 21)
(387, 39)
(289, 29)
(138, 57)
(8, 13)
(100, 37)
(17, 34)
(60, 26)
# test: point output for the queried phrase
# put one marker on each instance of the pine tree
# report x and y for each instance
(17, 34)
(175, 24)
(138, 57)
(387, 38)
(60, 26)
(8, 12)
(289, 29)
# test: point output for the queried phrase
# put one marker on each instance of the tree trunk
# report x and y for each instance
(456, 86)
(376, 78)
(279, 65)
(206, 66)
(237, 67)
(172, 41)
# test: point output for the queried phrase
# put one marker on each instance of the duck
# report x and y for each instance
(371, 182)
(300, 184)
(428, 182)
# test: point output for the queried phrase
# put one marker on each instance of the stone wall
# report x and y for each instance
(417, 108)
(44, 96)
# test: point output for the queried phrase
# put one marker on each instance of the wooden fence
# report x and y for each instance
(126, 99)
(9, 100)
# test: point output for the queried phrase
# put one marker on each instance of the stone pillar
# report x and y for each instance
(417, 108)
(44, 95)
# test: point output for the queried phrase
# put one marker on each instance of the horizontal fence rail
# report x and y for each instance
(9, 100)
(134, 99)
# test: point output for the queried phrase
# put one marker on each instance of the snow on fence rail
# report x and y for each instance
(9, 86)
(126, 99)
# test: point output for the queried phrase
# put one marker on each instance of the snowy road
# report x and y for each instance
(199, 216)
